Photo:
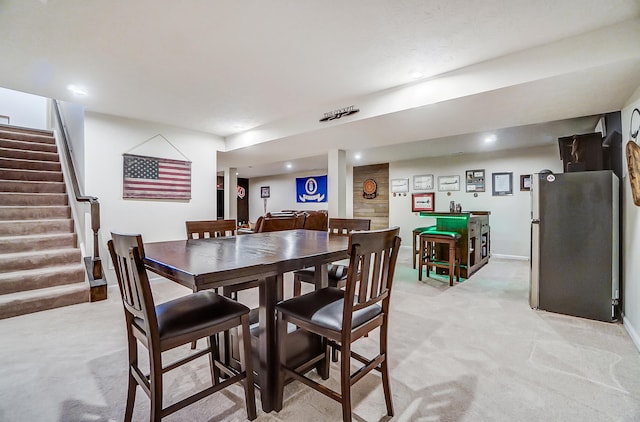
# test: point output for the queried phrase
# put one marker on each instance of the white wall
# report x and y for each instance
(24, 109)
(283, 194)
(73, 118)
(108, 137)
(510, 217)
(631, 233)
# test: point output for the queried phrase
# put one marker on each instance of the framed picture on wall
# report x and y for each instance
(474, 180)
(423, 182)
(265, 192)
(448, 183)
(423, 202)
(399, 185)
(525, 182)
(502, 184)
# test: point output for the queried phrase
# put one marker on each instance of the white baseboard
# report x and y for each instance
(633, 333)
(514, 257)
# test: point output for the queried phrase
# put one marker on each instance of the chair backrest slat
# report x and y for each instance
(373, 256)
(127, 254)
(344, 226)
(277, 224)
(210, 228)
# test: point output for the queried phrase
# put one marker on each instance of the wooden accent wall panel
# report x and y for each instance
(376, 209)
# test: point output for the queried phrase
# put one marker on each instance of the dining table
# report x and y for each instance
(211, 263)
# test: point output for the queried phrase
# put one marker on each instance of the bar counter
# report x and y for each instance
(475, 241)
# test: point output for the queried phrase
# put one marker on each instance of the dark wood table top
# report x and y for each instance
(207, 263)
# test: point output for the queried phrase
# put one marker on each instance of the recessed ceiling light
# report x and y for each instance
(490, 138)
(77, 90)
(416, 74)
(289, 165)
(357, 156)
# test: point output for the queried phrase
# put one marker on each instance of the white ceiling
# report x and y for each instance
(262, 73)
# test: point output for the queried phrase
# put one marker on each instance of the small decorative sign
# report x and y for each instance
(311, 189)
(241, 192)
(265, 192)
(369, 189)
(336, 114)
(525, 182)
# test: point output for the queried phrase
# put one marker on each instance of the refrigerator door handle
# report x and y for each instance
(535, 221)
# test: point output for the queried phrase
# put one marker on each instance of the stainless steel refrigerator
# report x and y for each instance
(575, 243)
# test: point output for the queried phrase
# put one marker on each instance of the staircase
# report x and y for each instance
(40, 263)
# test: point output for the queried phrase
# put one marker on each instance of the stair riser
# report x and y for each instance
(24, 228)
(36, 176)
(14, 245)
(28, 306)
(36, 199)
(22, 186)
(39, 260)
(43, 138)
(34, 213)
(21, 154)
(30, 146)
(8, 163)
(41, 281)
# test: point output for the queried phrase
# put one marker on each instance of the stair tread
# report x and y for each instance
(44, 292)
(41, 271)
(40, 220)
(31, 181)
(13, 255)
(36, 236)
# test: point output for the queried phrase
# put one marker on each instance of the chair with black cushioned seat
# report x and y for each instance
(343, 316)
(171, 324)
(428, 255)
(337, 273)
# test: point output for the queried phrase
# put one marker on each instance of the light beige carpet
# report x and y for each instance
(471, 352)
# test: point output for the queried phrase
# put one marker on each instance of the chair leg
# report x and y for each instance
(246, 365)
(131, 388)
(345, 381)
(281, 326)
(458, 263)
(297, 287)
(421, 258)
(155, 385)
(384, 367)
(452, 262)
(214, 355)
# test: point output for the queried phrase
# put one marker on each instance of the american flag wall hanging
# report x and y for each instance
(156, 178)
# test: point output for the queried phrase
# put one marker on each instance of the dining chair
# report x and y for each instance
(172, 324)
(210, 228)
(316, 220)
(272, 224)
(218, 228)
(343, 316)
(337, 273)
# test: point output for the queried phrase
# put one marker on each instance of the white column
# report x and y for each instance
(230, 194)
(337, 183)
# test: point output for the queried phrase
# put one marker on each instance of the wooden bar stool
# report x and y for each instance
(416, 241)
(428, 256)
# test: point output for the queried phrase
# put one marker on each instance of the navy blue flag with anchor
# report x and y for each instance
(311, 189)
